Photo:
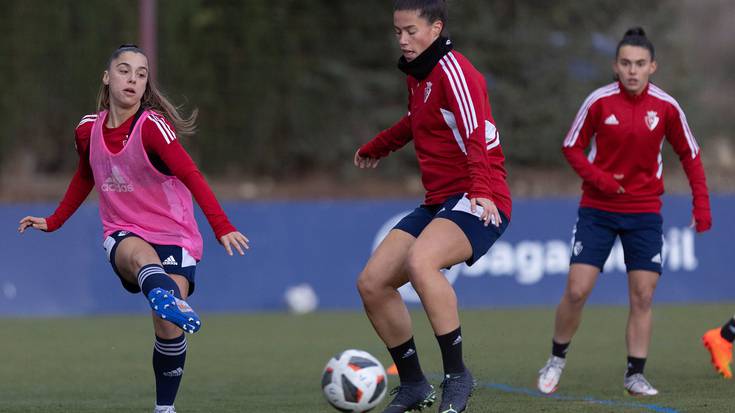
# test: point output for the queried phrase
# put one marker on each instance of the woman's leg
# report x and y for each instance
(594, 235)
(641, 285)
(441, 245)
(378, 286)
(169, 353)
(138, 263)
(581, 280)
(642, 243)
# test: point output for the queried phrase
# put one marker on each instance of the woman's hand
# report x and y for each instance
(490, 212)
(234, 239)
(610, 184)
(365, 162)
(33, 222)
(701, 221)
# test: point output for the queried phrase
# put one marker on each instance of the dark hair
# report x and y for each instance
(636, 36)
(128, 47)
(431, 10)
(152, 98)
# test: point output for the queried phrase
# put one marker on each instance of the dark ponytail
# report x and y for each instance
(431, 10)
(636, 36)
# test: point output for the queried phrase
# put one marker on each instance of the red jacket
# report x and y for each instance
(454, 134)
(625, 134)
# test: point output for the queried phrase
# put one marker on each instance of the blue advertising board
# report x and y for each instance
(324, 245)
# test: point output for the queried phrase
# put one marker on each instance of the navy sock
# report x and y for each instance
(451, 348)
(635, 365)
(559, 350)
(407, 362)
(168, 366)
(728, 330)
(153, 276)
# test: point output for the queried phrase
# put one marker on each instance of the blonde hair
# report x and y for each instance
(152, 99)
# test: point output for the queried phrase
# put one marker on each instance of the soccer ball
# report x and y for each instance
(301, 299)
(354, 381)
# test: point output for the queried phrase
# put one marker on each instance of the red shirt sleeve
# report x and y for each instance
(575, 143)
(159, 138)
(682, 140)
(389, 140)
(466, 95)
(81, 183)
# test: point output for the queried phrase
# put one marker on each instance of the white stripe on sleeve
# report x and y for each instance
(598, 94)
(471, 114)
(87, 119)
(166, 132)
(455, 88)
(656, 91)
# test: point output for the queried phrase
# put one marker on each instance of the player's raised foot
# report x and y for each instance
(411, 397)
(164, 409)
(549, 375)
(456, 391)
(720, 351)
(172, 309)
(637, 385)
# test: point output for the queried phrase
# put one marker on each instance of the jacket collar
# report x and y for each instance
(633, 98)
(421, 66)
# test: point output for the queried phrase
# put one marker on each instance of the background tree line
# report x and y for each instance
(288, 88)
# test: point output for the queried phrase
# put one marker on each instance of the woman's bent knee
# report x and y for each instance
(370, 286)
(577, 296)
(418, 267)
(135, 255)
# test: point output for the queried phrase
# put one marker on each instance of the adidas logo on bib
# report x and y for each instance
(116, 183)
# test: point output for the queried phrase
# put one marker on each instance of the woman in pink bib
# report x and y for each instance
(129, 151)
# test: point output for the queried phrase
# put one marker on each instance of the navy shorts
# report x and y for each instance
(641, 235)
(175, 260)
(457, 210)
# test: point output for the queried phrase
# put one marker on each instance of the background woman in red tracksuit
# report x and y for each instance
(467, 205)
(624, 125)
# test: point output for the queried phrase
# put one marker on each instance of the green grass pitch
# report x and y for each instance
(273, 362)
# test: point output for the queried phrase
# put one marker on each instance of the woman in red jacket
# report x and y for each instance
(466, 209)
(624, 125)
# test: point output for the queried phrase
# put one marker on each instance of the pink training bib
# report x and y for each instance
(136, 197)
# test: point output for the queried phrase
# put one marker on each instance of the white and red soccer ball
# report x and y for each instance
(354, 381)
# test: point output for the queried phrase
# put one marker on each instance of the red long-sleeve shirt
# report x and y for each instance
(165, 152)
(625, 134)
(454, 134)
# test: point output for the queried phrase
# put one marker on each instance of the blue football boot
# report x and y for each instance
(175, 310)
(456, 391)
(411, 397)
